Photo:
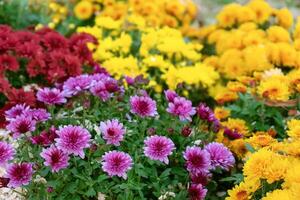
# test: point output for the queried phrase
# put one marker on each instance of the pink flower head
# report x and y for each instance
(39, 114)
(74, 85)
(220, 156)
(51, 96)
(7, 153)
(143, 106)
(73, 139)
(116, 163)
(16, 111)
(98, 89)
(181, 107)
(20, 125)
(197, 192)
(113, 131)
(46, 138)
(55, 158)
(201, 178)
(170, 95)
(158, 148)
(197, 160)
(19, 174)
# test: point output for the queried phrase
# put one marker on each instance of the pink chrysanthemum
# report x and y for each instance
(99, 90)
(39, 114)
(55, 158)
(20, 125)
(197, 160)
(197, 192)
(19, 174)
(113, 131)
(51, 96)
(181, 107)
(201, 178)
(116, 163)
(143, 106)
(7, 153)
(220, 156)
(170, 95)
(16, 111)
(73, 139)
(74, 85)
(158, 148)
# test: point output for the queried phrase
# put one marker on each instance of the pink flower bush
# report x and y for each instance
(143, 106)
(19, 174)
(55, 158)
(182, 108)
(51, 96)
(21, 125)
(197, 160)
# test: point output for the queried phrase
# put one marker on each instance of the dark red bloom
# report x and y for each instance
(4, 85)
(8, 62)
(19, 96)
(54, 41)
(46, 138)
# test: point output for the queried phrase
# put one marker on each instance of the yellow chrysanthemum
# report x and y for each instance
(278, 34)
(221, 113)
(237, 124)
(278, 194)
(262, 10)
(284, 18)
(261, 140)
(294, 128)
(83, 10)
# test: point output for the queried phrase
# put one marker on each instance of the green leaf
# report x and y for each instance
(249, 148)
(91, 192)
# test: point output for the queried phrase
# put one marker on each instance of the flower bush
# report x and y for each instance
(81, 145)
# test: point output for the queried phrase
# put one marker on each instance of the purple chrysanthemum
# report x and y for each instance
(7, 153)
(181, 107)
(200, 178)
(74, 85)
(220, 156)
(197, 192)
(55, 158)
(116, 163)
(16, 111)
(21, 124)
(158, 148)
(46, 138)
(143, 106)
(98, 89)
(51, 96)
(112, 131)
(19, 174)
(73, 139)
(170, 95)
(39, 114)
(197, 160)
(205, 113)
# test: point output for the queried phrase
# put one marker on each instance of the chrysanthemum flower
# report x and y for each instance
(116, 163)
(181, 107)
(51, 96)
(143, 106)
(170, 95)
(55, 158)
(200, 178)
(113, 131)
(7, 153)
(158, 148)
(21, 124)
(220, 156)
(197, 192)
(73, 139)
(205, 113)
(19, 174)
(197, 160)
(38, 114)
(99, 90)
(16, 111)
(74, 85)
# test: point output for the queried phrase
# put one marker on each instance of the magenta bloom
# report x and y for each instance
(21, 124)
(74, 85)
(158, 148)
(19, 174)
(116, 163)
(205, 113)
(181, 107)
(73, 139)
(7, 153)
(197, 160)
(55, 158)
(197, 192)
(200, 178)
(113, 131)
(143, 106)
(45, 138)
(170, 95)
(51, 96)
(99, 90)
(39, 114)
(16, 111)
(220, 156)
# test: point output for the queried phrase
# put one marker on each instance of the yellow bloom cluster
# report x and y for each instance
(252, 37)
(272, 162)
(161, 54)
(154, 13)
